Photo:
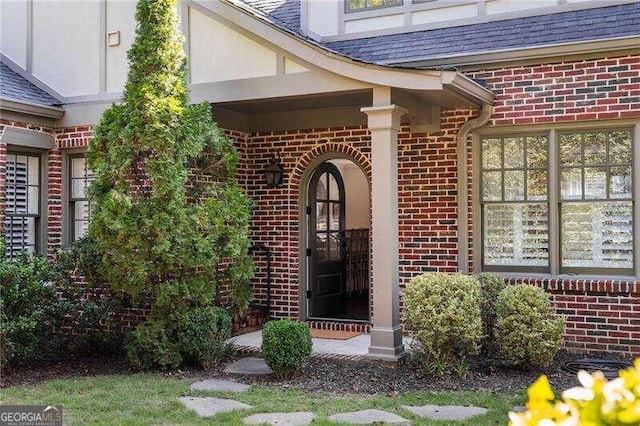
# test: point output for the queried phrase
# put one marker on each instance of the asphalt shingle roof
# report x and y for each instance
(15, 87)
(558, 28)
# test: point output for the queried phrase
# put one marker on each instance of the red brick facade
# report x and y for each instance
(601, 315)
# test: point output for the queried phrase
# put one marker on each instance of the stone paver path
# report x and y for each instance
(367, 417)
(207, 407)
(217, 385)
(300, 418)
(445, 412)
(249, 365)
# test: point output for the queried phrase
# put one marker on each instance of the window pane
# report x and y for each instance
(516, 234)
(620, 147)
(537, 185)
(78, 188)
(334, 216)
(620, 182)
(513, 153)
(571, 184)
(597, 235)
(34, 200)
(491, 154)
(514, 185)
(77, 167)
(537, 152)
(492, 186)
(334, 246)
(334, 193)
(321, 189)
(321, 216)
(570, 147)
(595, 148)
(321, 246)
(34, 171)
(595, 183)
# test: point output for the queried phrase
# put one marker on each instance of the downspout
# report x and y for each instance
(463, 189)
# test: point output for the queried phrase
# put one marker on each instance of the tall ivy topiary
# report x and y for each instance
(165, 232)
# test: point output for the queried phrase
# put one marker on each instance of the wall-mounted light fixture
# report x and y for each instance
(273, 173)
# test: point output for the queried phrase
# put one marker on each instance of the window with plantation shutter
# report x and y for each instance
(596, 201)
(22, 209)
(592, 209)
(514, 202)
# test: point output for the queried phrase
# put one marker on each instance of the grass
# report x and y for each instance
(153, 399)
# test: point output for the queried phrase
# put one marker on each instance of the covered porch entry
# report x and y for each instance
(317, 113)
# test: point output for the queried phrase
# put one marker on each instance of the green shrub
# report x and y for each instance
(490, 287)
(286, 346)
(27, 304)
(153, 344)
(528, 331)
(442, 313)
(203, 336)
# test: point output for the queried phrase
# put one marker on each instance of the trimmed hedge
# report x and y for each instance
(286, 346)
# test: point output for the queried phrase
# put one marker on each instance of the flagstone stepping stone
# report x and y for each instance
(207, 407)
(248, 365)
(300, 418)
(445, 412)
(219, 386)
(366, 417)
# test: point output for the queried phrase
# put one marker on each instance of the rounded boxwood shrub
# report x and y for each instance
(442, 313)
(152, 344)
(490, 287)
(203, 336)
(286, 346)
(528, 331)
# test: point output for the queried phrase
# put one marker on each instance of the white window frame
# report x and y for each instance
(553, 132)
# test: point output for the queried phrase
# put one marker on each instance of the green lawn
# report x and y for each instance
(153, 399)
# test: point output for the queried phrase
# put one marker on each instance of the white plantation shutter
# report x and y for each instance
(23, 203)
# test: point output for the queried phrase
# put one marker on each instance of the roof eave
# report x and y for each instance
(23, 107)
(521, 54)
(371, 73)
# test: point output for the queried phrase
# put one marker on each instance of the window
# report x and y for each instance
(23, 199)
(360, 5)
(80, 176)
(594, 210)
(515, 204)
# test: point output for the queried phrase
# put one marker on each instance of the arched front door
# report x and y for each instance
(326, 287)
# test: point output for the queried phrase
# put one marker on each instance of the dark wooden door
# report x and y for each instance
(327, 237)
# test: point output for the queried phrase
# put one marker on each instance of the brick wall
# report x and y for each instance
(602, 315)
(596, 89)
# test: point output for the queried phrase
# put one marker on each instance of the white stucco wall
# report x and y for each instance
(13, 30)
(504, 6)
(219, 53)
(382, 22)
(66, 45)
(291, 67)
(444, 14)
(120, 16)
(322, 16)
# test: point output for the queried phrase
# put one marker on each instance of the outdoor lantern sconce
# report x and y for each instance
(273, 173)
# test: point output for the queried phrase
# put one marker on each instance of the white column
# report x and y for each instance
(386, 332)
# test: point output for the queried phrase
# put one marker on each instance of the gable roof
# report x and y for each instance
(604, 23)
(16, 88)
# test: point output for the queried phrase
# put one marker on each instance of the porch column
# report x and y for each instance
(386, 332)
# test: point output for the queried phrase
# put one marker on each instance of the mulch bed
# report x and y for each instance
(336, 377)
